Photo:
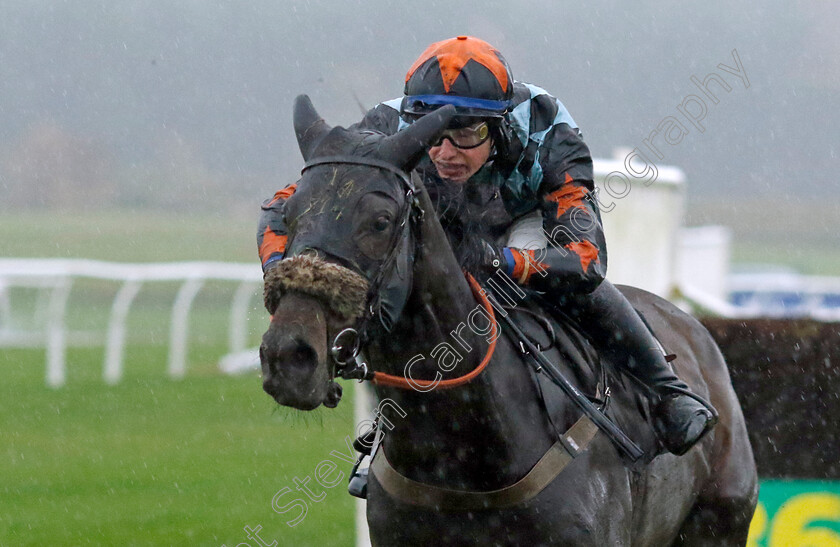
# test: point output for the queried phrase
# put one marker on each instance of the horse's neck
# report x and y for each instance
(483, 434)
(440, 302)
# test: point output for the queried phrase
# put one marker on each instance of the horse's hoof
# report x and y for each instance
(681, 421)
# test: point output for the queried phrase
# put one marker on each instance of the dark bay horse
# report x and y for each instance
(366, 251)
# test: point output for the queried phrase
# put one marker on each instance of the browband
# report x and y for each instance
(355, 160)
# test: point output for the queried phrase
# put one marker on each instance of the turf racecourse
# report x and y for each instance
(154, 461)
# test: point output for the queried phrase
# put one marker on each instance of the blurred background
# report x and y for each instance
(150, 131)
(158, 106)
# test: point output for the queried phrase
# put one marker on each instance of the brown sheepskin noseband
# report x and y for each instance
(338, 288)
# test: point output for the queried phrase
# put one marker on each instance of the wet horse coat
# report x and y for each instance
(488, 433)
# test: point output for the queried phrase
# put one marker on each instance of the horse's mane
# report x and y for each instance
(469, 214)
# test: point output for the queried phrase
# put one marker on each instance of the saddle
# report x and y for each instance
(598, 375)
(560, 336)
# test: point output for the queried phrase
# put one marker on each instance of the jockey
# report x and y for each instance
(521, 142)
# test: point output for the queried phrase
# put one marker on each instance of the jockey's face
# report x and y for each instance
(459, 164)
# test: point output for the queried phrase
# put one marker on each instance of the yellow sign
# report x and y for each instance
(796, 514)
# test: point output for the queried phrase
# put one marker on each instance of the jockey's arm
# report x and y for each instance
(272, 234)
(566, 252)
(381, 118)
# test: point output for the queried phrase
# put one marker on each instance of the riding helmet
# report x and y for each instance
(465, 72)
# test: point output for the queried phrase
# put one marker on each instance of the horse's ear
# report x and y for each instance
(309, 126)
(405, 148)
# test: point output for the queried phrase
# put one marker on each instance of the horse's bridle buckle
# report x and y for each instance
(345, 353)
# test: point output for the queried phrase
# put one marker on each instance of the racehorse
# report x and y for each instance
(474, 456)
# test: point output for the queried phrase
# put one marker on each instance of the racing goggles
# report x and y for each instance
(465, 138)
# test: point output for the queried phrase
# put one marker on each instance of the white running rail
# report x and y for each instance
(56, 276)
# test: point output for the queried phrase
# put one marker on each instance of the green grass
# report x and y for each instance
(800, 234)
(154, 461)
(131, 236)
(811, 259)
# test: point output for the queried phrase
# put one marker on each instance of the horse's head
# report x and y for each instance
(348, 254)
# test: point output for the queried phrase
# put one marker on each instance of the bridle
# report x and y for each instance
(347, 344)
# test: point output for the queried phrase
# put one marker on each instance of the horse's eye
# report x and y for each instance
(381, 224)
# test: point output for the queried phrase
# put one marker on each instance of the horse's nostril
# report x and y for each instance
(302, 355)
(294, 355)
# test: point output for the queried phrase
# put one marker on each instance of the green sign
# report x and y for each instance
(796, 514)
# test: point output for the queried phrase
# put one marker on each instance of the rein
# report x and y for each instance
(382, 379)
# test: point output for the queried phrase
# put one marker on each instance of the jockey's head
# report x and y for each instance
(471, 75)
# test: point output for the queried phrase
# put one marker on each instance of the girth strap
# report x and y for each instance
(406, 490)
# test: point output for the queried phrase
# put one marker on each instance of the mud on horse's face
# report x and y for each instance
(345, 221)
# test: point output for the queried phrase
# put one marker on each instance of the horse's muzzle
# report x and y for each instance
(293, 353)
(287, 370)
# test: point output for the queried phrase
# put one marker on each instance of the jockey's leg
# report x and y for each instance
(606, 315)
(679, 419)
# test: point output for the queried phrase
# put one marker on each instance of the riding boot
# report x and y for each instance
(679, 419)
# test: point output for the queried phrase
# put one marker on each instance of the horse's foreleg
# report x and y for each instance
(718, 523)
